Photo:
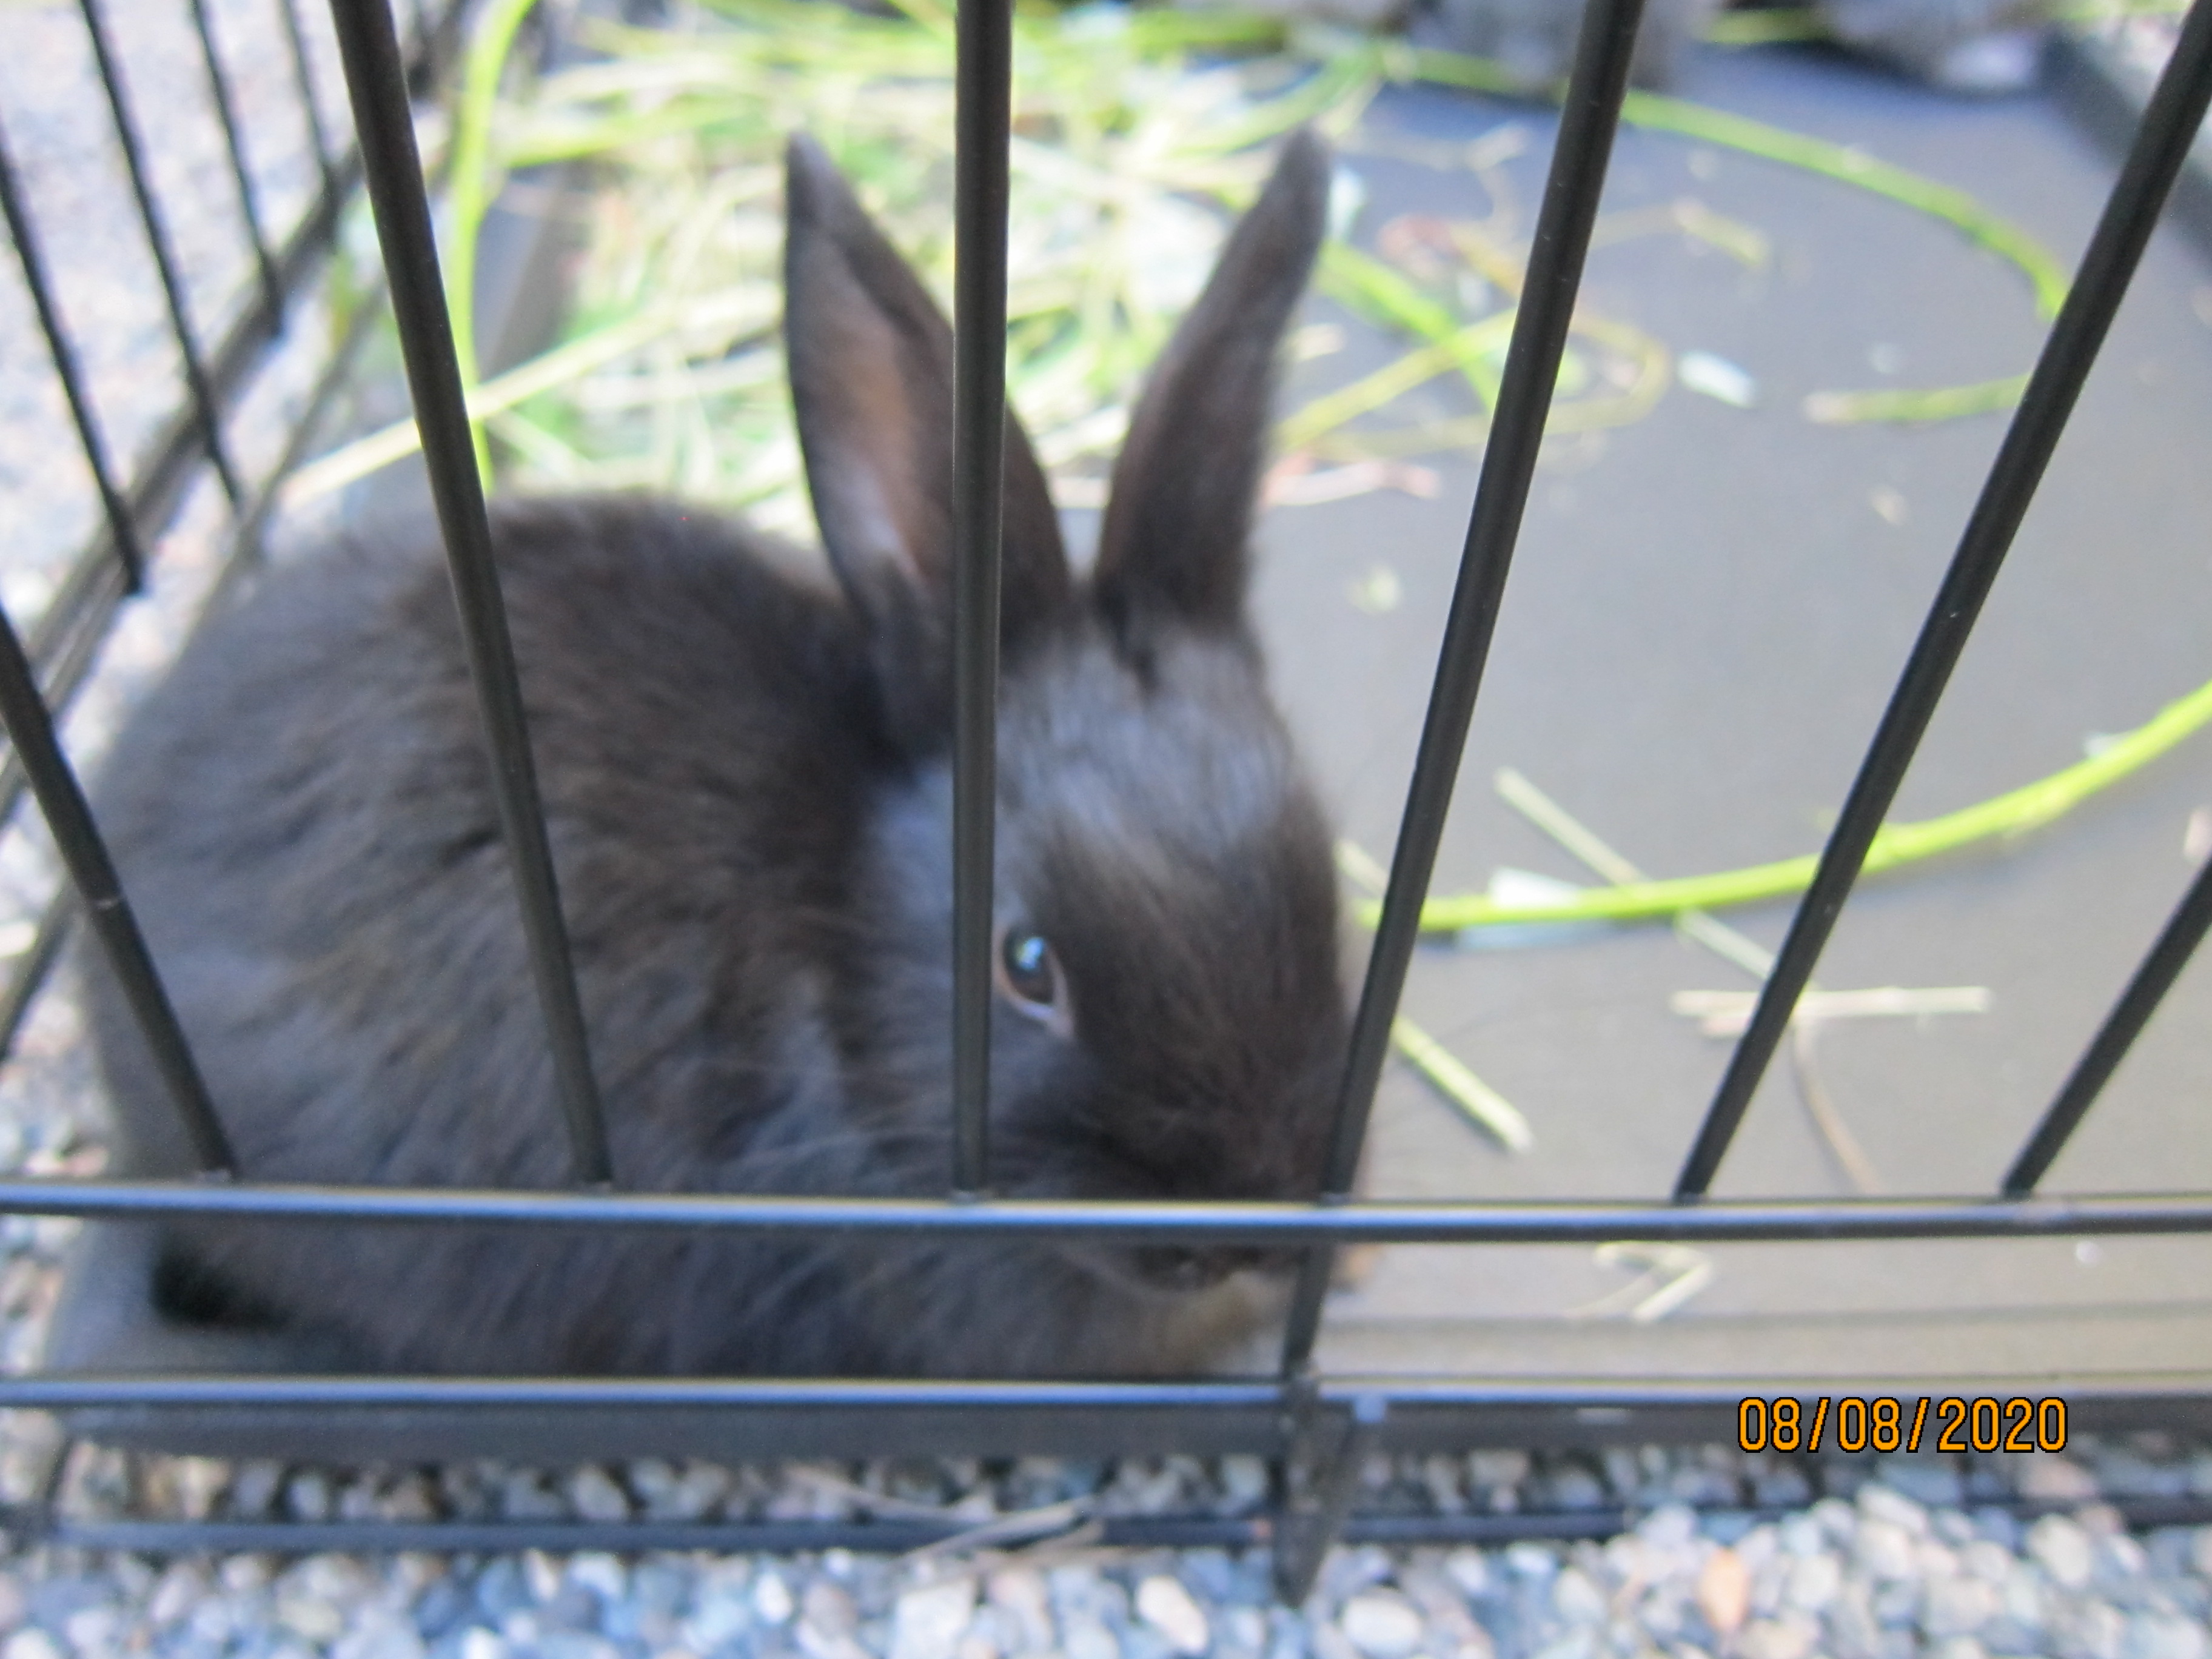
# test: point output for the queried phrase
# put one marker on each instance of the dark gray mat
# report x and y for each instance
(1704, 619)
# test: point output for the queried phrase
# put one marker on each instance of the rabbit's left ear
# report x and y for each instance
(871, 375)
(1180, 511)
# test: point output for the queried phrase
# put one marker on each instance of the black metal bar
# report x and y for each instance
(2169, 125)
(2095, 1408)
(53, 927)
(63, 1391)
(1588, 117)
(1193, 1222)
(61, 643)
(1317, 1500)
(303, 71)
(21, 233)
(31, 729)
(157, 240)
(226, 114)
(983, 113)
(2184, 930)
(63, 658)
(377, 87)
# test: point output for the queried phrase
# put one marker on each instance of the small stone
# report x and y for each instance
(721, 1611)
(1724, 1591)
(442, 1607)
(33, 1644)
(1879, 1503)
(1933, 1481)
(1574, 1487)
(1958, 1647)
(254, 1485)
(2164, 1635)
(1784, 1486)
(571, 1607)
(1986, 1560)
(1087, 1638)
(1470, 1569)
(1958, 1606)
(1345, 1572)
(2200, 1552)
(1577, 1599)
(929, 1622)
(1812, 1582)
(542, 1574)
(380, 1634)
(2119, 1559)
(524, 1496)
(478, 1643)
(501, 1588)
(2056, 1478)
(1884, 1551)
(1496, 1468)
(600, 1573)
(597, 1495)
(827, 1609)
(180, 1590)
(1788, 1638)
(1244, 1481)
(309, 1496)
(1021, 1592)
(311, 1618)
(1168, 1608)
(1669, 1527)
(1531, 1560)
(772, 1599)
(410, 1498)
(1381, 1623)
(2064, 1550)
(2084, 1629)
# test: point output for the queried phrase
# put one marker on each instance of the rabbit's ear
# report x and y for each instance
(869, 359)
(1181, 508)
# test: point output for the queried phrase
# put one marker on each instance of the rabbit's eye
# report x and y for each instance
(1029, 978)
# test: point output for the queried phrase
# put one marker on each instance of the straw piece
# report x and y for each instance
(1451, 1077)
(2013, 813)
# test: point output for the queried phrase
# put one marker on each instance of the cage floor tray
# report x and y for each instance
(1705, 615)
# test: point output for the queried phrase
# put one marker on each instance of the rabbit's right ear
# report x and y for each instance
(870, 357)
(1180, 510)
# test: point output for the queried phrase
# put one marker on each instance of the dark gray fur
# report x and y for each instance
(748, 792)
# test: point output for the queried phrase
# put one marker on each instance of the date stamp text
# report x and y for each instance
(1854, 1422)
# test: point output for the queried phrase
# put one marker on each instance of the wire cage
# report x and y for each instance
(1317, 1427)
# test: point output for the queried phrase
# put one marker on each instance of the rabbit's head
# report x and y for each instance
(1169, 1020)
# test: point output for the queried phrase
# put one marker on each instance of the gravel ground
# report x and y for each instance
(1878, 1574)
(1871, 1560)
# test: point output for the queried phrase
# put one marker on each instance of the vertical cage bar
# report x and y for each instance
(303, 71)
(376, 85)
(31, 730)
(1588, 118)
(120, 523)
(233, 140)
(2170, 123)
(157, 240)
(984, 89)
(2184, 930)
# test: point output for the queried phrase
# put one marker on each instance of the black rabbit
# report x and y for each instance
(746, 775)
